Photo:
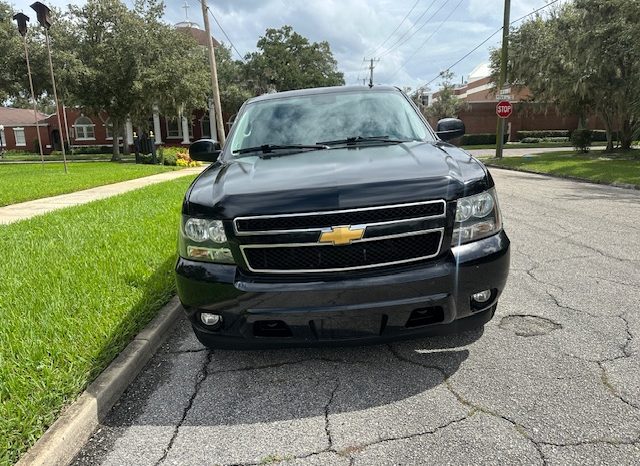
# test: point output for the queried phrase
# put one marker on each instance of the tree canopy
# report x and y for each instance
(124, 61)
(583, 57)
(286, 60)
(446, 104)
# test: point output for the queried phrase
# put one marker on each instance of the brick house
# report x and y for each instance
(18, 128)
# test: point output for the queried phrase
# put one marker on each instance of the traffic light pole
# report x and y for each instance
(504, 57)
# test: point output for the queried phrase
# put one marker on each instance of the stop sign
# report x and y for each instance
(504, 109)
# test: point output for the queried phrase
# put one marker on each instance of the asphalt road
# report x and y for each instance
(554, 378)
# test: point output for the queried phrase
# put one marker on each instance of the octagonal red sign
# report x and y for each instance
(504, 109)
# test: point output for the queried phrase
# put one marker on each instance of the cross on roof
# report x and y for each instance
(186, 10)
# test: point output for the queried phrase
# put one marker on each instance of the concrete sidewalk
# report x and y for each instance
(517, 152)
(24, 210)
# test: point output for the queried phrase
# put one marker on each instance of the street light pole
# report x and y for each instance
(1, 143)
(44, 19)
(214, 74)
(504, 57)
(22, 19)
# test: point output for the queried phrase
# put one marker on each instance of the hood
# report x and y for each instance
(340, 178)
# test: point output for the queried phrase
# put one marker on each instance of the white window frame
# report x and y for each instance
(84, 127)
(178, 135)
(206, 118)
(15, 135)
(173, 134)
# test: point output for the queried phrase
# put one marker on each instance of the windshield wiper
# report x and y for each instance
(352, 141)
(270, 148)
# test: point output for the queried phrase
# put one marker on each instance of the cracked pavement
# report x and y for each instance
(554, 378)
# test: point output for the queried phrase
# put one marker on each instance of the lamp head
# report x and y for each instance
(22, 20)
(43, 13)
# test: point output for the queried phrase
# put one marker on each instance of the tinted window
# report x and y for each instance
(326, 117)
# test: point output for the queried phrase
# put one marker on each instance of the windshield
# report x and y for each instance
(311, 119)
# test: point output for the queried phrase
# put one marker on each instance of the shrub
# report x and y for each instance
(556, 139)
(581, 140)
(547, 133)
(530, 140)
(183, 160)
(170, 159)
(170, 150)
(146, 159)
(480, 139)
(600, 135)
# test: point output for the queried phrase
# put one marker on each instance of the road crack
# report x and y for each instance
(473, 407)
(201, 377)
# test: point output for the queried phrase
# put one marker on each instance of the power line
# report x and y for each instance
(400, 42)
(491, 36)
(225, 34)
(428, 38)
(396, 29)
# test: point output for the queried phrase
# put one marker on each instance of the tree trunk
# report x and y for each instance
(116, 145)
(626, 135)
(609, 130)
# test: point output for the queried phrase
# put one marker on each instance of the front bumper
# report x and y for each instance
(431, 298)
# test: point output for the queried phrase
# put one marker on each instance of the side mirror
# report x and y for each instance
(450, 128)
(205, 150)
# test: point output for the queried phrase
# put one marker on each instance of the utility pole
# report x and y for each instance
(371, 67)
(504, 57)
(214, 75)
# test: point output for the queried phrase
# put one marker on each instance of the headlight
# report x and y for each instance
(477, 217)
(204, 240)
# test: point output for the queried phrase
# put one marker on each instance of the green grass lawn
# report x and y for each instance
(617, 167)
(23, 182)
(76, 286)
(31, 157)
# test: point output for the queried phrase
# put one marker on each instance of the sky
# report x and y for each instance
(412, 40)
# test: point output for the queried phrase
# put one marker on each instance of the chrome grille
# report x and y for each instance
(317, 221)
(360, 254)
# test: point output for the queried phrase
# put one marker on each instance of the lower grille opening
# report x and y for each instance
(271, 328)
(425, 316)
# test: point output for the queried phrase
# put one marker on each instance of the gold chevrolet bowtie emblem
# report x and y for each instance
(341, 235)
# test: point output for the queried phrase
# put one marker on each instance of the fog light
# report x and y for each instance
(482, 297)
(210, 319)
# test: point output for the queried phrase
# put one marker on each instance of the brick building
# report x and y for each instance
(480, 114)
(18, 128)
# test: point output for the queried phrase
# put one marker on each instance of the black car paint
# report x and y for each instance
(334, 179)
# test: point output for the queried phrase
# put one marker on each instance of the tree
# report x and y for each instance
(133, 61)
(233, 87)
(582, 58)
(446, 103)
(10, 54)
(286, 60)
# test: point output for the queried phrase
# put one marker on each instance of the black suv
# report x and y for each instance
(338, 215)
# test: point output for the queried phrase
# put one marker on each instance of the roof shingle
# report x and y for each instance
(10, 116)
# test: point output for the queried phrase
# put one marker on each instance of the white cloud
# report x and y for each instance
(354, 28)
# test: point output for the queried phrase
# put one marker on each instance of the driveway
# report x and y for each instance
(554, 378)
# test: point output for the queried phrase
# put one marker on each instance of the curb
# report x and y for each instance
(75, 425)
(565, 177)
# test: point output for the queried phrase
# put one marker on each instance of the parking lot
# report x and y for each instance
(554, 378)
